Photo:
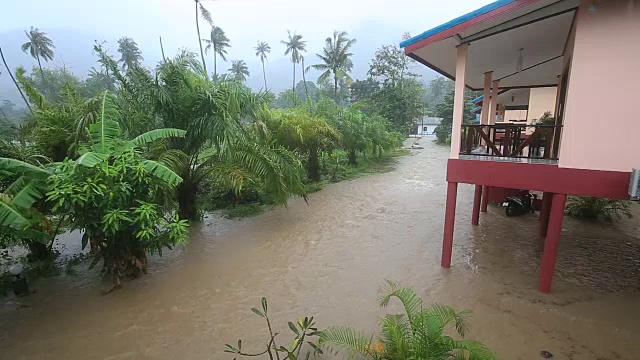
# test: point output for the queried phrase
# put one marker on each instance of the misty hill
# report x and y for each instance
(74, 52)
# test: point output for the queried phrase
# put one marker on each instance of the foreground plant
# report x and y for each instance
(304, 331)
(416, 334)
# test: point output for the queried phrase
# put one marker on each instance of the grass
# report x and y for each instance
(245, 210)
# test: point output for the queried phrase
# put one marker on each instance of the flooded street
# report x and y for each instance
(328, 259)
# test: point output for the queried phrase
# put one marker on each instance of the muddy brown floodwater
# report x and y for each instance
(329, 259)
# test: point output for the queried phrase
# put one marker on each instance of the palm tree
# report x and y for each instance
(15, 82)
(295, 46)
(416, 334)
(239, 70)
(302, 132)
(38, 46)
(219, 43)
(179, 96)
(130, 54)
(336, 59)
(262, 49)
(304, 79)
(207, 16)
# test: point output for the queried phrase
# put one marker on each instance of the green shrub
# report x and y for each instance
(594, 208)
(418, 333)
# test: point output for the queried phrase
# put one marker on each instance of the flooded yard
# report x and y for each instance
(329, 258)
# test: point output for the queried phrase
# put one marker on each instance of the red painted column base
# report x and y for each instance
(485, 198)
(475, 215)
(545, 209)
(550, 255)
(449, 222)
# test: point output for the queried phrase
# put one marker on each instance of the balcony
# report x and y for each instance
(521, 143)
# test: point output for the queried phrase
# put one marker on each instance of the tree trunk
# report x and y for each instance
(3, 114)
(164, 59)
(335, 86)
(204, 65)
(215, 61)
(15, 82)
(41, 72)
(293, 87)
(187, 207)
(304, 81)
(352, 157)
(312, 166)
(264, 75)
(37, 250)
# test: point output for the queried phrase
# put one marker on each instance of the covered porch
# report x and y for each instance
(514, 46)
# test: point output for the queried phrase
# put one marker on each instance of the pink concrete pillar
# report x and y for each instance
(475, 215)
(493, 106)
(550, 255)
(458, 99)
(486, 98)
(449, 222)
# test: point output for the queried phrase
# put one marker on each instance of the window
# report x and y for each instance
(426, 128)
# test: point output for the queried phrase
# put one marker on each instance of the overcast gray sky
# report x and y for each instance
(245, 21)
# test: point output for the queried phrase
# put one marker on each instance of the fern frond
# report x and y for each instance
(346, 339)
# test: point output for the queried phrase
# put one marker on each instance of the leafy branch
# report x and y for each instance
(304, 330)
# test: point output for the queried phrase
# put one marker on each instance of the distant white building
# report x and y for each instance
(426, 125)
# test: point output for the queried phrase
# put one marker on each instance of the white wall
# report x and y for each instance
(541, 100)
(429, 131)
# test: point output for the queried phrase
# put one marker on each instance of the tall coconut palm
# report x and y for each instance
(200, 9)
(239, 70)
(130, 54)
(295, 46)
(336, 59)
(14, 81)
(304, 79)
(39, 47)
(219, 42)
(262, 49)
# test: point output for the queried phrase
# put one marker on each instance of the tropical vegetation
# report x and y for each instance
(217, 43)
(336, 60)
(295, 47)
(305, 336)
(239, 70)
(262, 51)
(594, 208)
(420, 332)
(129, 155)
(39, 46)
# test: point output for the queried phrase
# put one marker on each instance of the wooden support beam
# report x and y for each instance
(488, 141)
(526, 142)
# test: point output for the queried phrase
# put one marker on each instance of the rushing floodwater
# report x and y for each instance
(328, 259)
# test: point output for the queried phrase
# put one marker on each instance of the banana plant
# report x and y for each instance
(17, 213)
(25, 204)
